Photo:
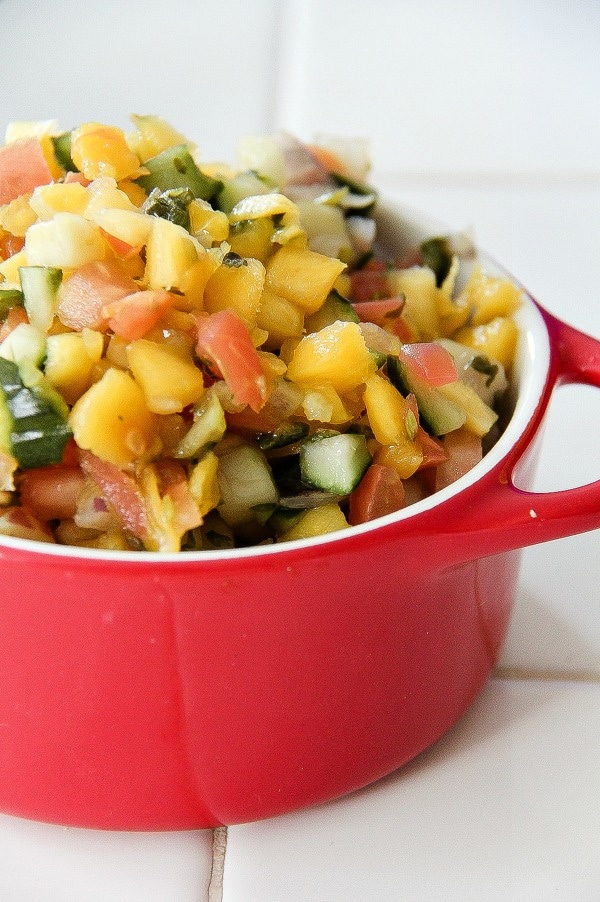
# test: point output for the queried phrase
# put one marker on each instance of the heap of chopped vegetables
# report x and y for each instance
(194, 356)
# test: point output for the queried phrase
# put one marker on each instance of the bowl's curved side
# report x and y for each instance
(176, 699)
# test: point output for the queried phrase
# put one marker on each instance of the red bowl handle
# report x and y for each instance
(496, 515)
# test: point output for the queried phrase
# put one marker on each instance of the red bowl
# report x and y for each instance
(140, 691)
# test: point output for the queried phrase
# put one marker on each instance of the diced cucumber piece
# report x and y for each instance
(40, 286)
(30, 424)
(208, 427)
(439, 413)
(245, 480)
(487, 377)
(334, 308)
(175, 168)
(336, 463)
(244, 184)
(62, 151)
(9, 297)
(172, 205)
(286, 433)
(24, 343)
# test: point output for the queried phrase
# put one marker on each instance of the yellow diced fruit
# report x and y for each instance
(252, 238)
(68, 241)
(417, 285)
(336, 354)
(317, 522)
(129, 226)
(480, 417)
(70, 361)
(302, 276)
(280, 318)
(204, 484)
(134, 192)
(104, 194)
(405, 458)
(323, 405)
(194, 281)
(9, 270)
(169, 381)
(204, 219)
(496, 339)
(99, 150)
(236, 285)
(112, 419)
(170, 252)
(152, 135)
(392, 420)
(17, 216)
(489, 297)
(59, 197)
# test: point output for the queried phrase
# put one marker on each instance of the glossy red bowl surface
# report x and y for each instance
(140, 691)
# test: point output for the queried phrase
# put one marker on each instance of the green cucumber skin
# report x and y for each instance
(438, 413)
(40, 286)
(33, 431)
(175, 168)
(336, 463)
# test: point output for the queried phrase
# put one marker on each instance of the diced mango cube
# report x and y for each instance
(169, 381)
(99, 150)
(417, 285)
(170, 252)
(390, 416)
(496, 339)
(322, 404)
(204, 483)
(302, 276)
(237, 284)
(67, 242)
(489, 296)
(316, 522)
(405, 458)
(65, 197)
(252, 238)
(336, 354)
(112, 419)
(280, 318)
(70, 361)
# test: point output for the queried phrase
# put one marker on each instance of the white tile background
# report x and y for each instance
(483, 113)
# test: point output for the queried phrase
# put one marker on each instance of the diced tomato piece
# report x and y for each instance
(120, 491)
(370, 282)
(382, 312)
(430, 361)
(327, 158)
(463, 450)
(10, 244)
(15, 316)
(51, 493)
(134, 315)
(77, 177)
(122, 249)
(434, 452)
(174, 485)
(23, 167)
(91, 288)
(380, 492)
(224, 340)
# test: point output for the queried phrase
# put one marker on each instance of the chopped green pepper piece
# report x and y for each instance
(175, 168)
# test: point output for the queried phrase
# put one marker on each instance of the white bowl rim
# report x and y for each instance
(529, 376)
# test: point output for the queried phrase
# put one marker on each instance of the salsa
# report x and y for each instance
(198, 356)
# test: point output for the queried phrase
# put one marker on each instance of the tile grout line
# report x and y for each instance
(546, 674)
(219, 847)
